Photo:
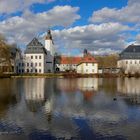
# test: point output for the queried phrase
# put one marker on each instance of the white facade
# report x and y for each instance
(87, 68)
(37, 58)
(66, 67)
(129, 65)
(32, 63)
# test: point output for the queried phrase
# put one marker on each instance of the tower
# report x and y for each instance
(49, 46)
(49, 43)
(85, 52)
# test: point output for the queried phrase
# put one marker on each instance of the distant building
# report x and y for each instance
(129, 61)
(7, 66)
(67, 63)
(37, 58)
(112, 70)
(87, 65)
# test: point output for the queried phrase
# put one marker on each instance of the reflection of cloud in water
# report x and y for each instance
(58, 113)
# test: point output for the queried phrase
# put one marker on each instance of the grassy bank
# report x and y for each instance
(67, 75)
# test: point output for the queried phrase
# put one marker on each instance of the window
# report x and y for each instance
(135, 62)
(31, 70)
(19, 71)
(86, 64)
(22, 70)
(22, 64)
(35, 64)
(40, 64)
(27, 64)
(31, 64)
(19, 64)
(39, 57)
(35, 57)
(31, 57)
(92, 64)
(35, 70)
(93, 70)
(27, 70)
(126, 62)
(86, 70)
(39, 70)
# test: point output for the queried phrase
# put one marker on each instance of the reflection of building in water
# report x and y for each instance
(130, 87)
(34, 93)
(70, 85)
(87, 86)
(34, 89)
(67, 85)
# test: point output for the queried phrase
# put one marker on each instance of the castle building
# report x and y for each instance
(37, 57)
(129, 61)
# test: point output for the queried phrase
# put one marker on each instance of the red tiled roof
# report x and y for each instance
(70, 60)
(78, 60)
(88, 59)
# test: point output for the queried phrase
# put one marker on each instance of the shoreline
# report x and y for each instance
(68, 75)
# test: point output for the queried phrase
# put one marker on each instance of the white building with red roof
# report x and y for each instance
(68, 63)
(87, 65)
(84, 65)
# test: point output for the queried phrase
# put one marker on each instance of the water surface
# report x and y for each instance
(71, 109)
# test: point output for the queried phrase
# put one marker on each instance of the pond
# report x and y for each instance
(70, 109)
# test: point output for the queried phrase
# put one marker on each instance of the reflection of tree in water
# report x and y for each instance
(132, 100)
(34, 106)
(5, 102)
(7, 95)
(109, 85)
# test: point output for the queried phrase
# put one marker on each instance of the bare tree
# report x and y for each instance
(5, 61)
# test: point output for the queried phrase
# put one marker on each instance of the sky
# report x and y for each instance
(101, 26)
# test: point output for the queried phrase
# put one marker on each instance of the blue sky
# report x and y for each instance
(101, 26)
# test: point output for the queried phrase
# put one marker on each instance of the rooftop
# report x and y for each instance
(35, 47)
(131, 52)
(77, 60)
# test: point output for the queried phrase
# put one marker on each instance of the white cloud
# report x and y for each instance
(23, 29)
(102, 38)
(127, 14)
(11, 6)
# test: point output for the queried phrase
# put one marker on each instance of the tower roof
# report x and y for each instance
(49, 35)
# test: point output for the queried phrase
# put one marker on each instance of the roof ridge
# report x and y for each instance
(35, 42)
